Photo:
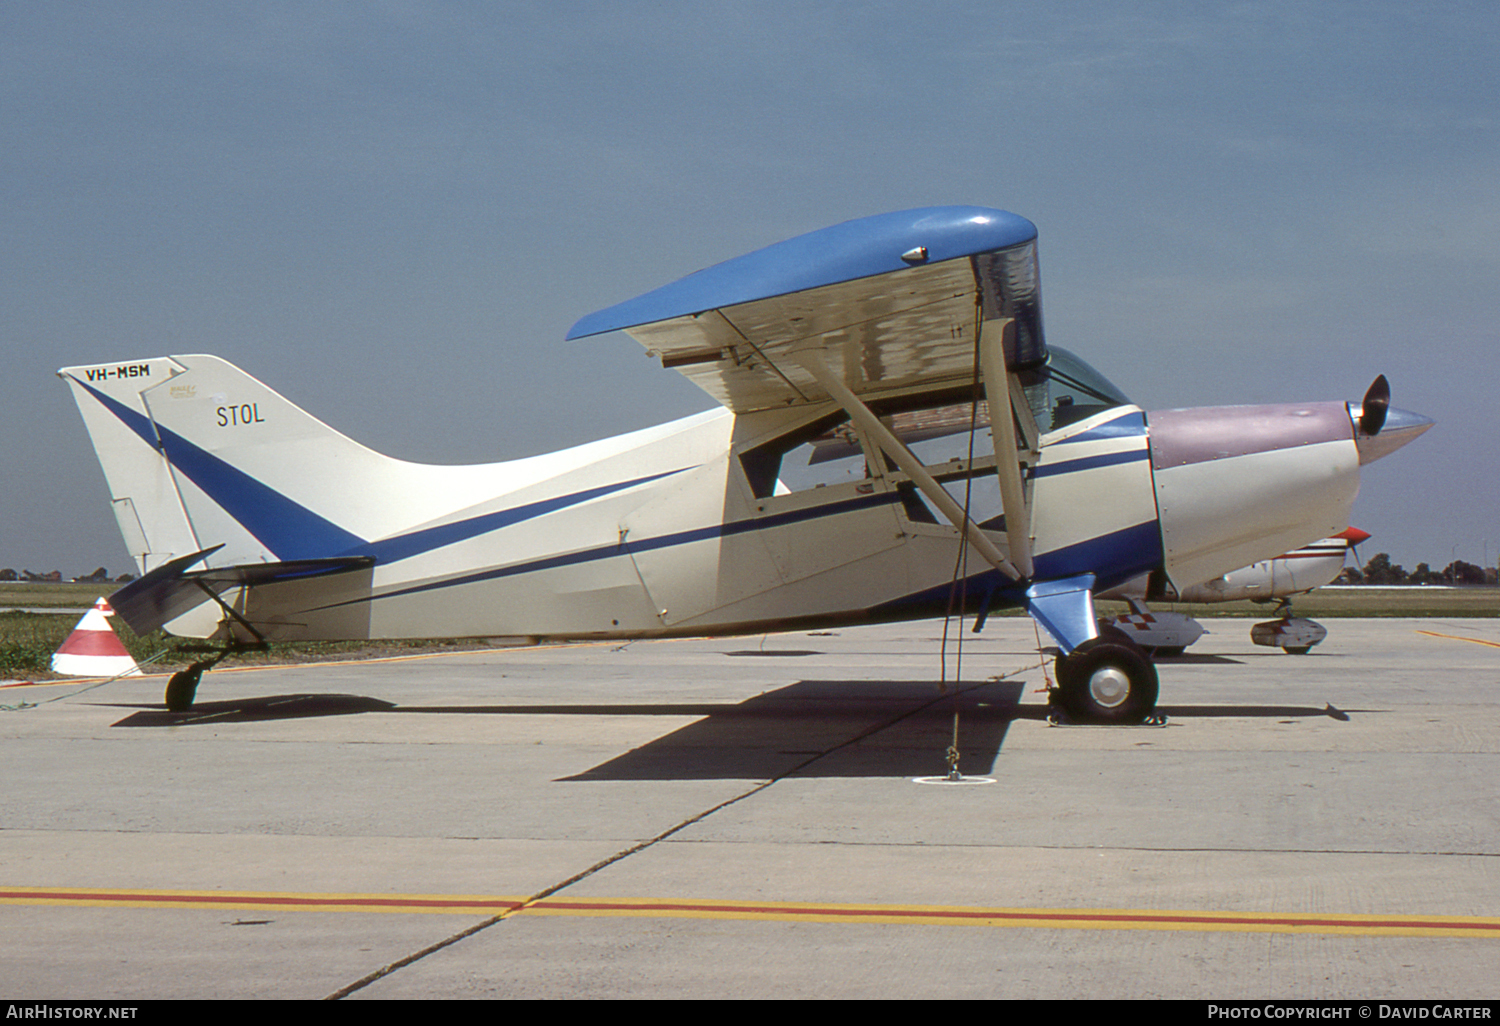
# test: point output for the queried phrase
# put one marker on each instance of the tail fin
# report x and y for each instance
(198, 453)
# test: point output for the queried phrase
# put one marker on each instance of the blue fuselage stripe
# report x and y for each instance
(289, 530)
(1113, 558)
(1127, 425)
(1108, 459)
(661, 542)
(292, 531)
(404, 546)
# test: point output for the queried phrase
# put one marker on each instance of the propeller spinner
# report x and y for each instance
(1381, 428)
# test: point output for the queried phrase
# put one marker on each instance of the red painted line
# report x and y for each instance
(496, 905)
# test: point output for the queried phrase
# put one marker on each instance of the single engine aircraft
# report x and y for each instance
(796, 505)
(1292, 573)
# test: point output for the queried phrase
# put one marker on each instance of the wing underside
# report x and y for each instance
(889, 303)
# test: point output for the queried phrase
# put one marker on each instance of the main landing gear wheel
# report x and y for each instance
(1105, 680)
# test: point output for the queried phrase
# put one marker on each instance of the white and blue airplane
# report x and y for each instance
(844, 480)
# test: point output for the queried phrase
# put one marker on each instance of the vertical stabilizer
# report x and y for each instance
(198, 454)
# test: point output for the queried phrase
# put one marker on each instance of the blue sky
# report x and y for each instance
(392, 212)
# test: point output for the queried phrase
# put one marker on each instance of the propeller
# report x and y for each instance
(1373, 409)
(1353, 536)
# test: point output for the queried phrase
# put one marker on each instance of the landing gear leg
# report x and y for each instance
(1106, 680)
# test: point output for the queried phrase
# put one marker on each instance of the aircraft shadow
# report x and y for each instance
(822, 728)
(835, 728)
(252, 710)
(813, 728)
(1193, 659)
(1188, 712)
(774, 653)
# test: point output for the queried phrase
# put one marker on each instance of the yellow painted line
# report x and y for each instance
(1457, 637)
(1354, 924)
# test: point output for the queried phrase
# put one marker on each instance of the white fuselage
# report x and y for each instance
(709, 524)
(680, 543)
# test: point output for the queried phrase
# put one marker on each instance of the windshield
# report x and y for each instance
(1066, 389)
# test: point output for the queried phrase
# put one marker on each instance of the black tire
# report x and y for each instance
(183, 688)
(1169, 652)
(1106, 681)
(1296, 649)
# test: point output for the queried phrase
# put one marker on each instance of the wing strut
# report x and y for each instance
(997, 386)
(812, 361)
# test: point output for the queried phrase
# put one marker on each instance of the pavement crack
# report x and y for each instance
(384, 971)
(952, 692)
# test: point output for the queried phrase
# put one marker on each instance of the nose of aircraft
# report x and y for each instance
(1400, 427)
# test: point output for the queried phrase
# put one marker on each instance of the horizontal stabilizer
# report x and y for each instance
(172, 589)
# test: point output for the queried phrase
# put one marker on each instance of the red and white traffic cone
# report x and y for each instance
(93, 649)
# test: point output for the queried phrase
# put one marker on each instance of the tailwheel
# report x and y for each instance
(182, 688)
(1106, 680)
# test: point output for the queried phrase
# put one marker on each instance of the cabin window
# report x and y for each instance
(826, 452)
(947, 437)
(937, 430)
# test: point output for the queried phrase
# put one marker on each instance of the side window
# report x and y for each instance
(824, 453)
(940, 438)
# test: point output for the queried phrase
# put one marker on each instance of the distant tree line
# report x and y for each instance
(99, 576)
(1380, 570)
